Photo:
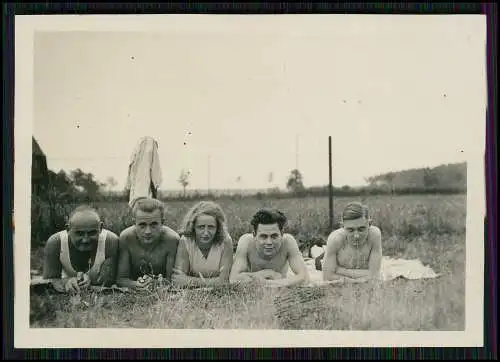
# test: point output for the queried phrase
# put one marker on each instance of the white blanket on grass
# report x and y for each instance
(390, 269)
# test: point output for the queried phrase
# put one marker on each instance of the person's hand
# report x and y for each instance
(359, 280)
(268, 274)
(275, 283)
(144, 282)
(83, 280)
(71, 285)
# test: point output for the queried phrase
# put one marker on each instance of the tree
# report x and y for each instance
(430, 178)
(184, 180)
(86, 182)
(111, 182)
(389, 179)
(295, 181)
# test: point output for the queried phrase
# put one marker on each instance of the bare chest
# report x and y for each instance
(350, 257)
(149, 260)
(277, 263)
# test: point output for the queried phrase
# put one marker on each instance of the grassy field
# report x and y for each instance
(430, 228)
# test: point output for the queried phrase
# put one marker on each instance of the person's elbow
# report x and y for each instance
(235, 277)
(304, 277)
(122, 281)
(330, 275)
(179, 278)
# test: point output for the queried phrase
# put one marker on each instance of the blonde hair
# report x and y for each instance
(205, 208)
(148, 205)
(355, 210)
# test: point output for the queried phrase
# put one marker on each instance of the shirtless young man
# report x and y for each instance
(146, 248)
(353, 252)
(85, 254)
(267, 253)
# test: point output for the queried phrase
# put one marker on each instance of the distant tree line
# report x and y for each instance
(80, 186)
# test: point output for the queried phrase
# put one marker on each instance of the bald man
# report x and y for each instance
(82, 255)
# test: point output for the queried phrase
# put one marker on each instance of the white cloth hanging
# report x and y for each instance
(144, 172)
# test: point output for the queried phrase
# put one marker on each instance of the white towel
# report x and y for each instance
(317, 251)
(390, 269)
(144, 170)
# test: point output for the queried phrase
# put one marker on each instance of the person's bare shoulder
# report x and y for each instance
(335, 239)
(374, 230)
(111, 236)
(170, 233)
(374, 234)
(112, 241)
(127, 236)
(243, 242)
(127, 233)
(171, 236)
(53, 244)
(290, 242)
(228, 241)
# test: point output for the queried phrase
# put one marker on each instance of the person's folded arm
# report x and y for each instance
(239, 271)
(226, 261)
(330, 266)
(375, 261)
(106, 276)
(123, 273)
(52, 267)
(296, 263)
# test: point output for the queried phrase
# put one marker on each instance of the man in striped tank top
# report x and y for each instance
(85, 254)
(268, 253)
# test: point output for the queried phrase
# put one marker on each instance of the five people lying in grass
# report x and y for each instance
(201, 254)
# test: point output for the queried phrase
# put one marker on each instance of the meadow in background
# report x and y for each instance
(428, 227)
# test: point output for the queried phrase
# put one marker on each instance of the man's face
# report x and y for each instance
(269, 239)
(148, 226)
(84, 230)
(357, 230)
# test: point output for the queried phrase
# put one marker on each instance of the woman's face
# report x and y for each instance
(205, 228)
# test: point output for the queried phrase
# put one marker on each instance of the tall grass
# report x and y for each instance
(431, 228)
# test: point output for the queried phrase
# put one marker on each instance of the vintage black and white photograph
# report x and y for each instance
(250, 174)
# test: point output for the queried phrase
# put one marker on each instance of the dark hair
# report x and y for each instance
(355, 210)
(268, 216)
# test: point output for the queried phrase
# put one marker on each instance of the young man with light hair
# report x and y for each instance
(268, 253)
(353, 252)
(148, 248)
(82, 255)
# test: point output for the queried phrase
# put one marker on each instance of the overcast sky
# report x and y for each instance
(394, 92)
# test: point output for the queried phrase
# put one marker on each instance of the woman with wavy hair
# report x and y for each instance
(205, 252)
